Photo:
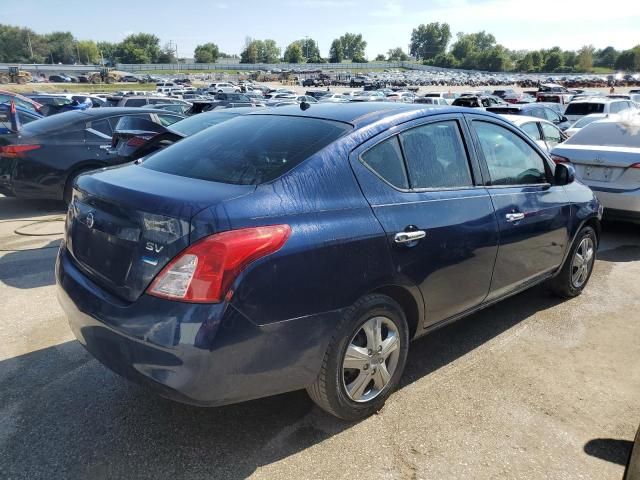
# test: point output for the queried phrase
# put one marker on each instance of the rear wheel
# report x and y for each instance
(578, 265)
(365, 359)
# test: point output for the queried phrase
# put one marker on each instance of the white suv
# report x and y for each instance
(223, 87)
(579, 108)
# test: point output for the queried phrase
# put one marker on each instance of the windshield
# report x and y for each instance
(196, 123)
(584, 108)
(611, 134)
(247, 150)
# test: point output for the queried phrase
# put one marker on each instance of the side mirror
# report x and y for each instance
(563, 119)
(564, 174)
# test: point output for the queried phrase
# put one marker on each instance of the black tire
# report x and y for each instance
(563, 284)
(329, 391)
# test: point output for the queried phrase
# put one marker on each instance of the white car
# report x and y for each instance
(223, 87)
(543, 132)
(606, 157)
(448, 96)
(581, 108)
(586, 120)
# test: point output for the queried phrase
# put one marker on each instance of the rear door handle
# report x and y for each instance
(514, 217)
(407, 237)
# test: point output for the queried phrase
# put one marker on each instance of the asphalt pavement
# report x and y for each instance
(531, 388)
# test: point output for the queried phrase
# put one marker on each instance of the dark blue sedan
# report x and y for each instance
(304, 247)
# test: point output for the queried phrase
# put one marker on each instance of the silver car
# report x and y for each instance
(606, 157)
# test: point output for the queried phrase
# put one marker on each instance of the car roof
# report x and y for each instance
(360, 114)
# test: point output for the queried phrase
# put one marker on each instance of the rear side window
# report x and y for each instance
(248, 150)
(386, 160)
(585, 108)
(436, 157)
(511, 160)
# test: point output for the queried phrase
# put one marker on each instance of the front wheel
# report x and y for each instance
(578, 265)
(365, 359)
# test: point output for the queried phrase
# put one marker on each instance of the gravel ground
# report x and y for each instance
(531, 388)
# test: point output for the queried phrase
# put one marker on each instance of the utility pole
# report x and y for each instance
(30, 47)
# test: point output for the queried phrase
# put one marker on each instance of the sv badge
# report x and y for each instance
(154, 247)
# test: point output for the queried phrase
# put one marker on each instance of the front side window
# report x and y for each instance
(551, 134)
(436, 157)
(531, 129)
(101, 126)
(386, 160)
(511, 160)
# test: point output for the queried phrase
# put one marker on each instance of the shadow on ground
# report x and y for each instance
(609, 449)
(29, 267)
(12, 208)
(66, 416)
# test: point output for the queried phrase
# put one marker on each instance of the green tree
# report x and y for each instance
(380, 58)
(353, 46)
(445, 60)
(61, 47)
(629, 60)
(553, 61)
(88, 52)
(17, 45)
(429, 40)
(537, 59)
(397, 55)
(525, 64)
(269, 51)
(310, 50)
(206, 53)
(606, 57)
(495, 59)
(167, 55)
(585, 58)
(250, 54)
(293, 53)
(570, 59)
(336, 52)
(107, 51)
(139, 48)
(359, 58)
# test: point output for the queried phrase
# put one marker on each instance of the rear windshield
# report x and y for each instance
(248, 150)
(56, 122)
(584, 108)
(196, 123)
(611, 134)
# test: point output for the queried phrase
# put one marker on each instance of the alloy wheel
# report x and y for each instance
(371, 358)
(582, 262)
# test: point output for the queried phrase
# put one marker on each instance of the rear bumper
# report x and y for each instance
(622, 201)
(198, 354)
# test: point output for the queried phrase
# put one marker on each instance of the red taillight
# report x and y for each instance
(16, 151)
(138, 141)
(635, 165)
(559, 159)
(204, 272)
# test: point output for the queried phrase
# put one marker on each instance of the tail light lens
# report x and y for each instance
(138, 141)
(204, 272)
(16, 151)
(635, 165)
(559, 159)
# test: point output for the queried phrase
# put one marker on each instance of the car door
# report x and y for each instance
(532, 213)
(424, 187)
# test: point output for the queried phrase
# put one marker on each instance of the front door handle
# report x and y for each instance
(408, 237)
(515, 217)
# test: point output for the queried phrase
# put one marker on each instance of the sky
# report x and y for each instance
(384, 24)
